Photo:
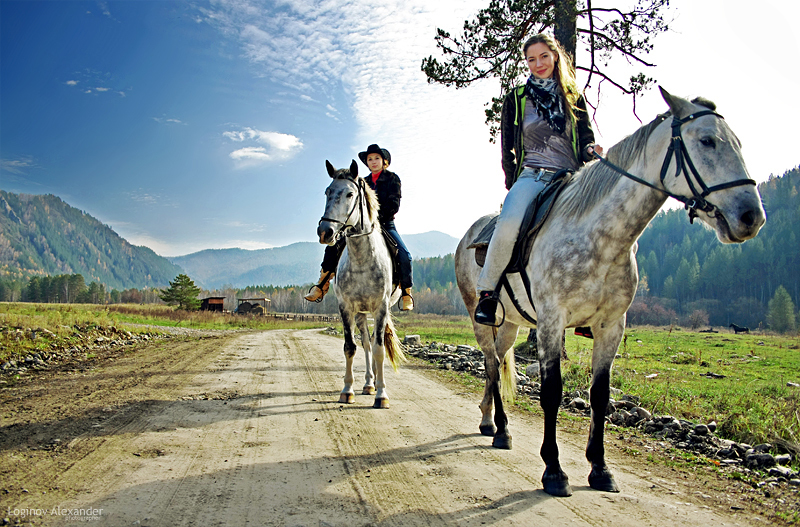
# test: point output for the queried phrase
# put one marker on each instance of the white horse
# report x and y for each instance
(363, 281)
(582, 268)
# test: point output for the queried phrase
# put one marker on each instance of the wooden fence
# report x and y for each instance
(304, 317)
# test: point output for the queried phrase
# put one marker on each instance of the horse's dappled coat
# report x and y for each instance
(363, 281)
(582, 268)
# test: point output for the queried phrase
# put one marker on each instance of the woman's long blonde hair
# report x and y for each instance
(564, 70)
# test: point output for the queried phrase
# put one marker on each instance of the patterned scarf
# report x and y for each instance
(545, 95)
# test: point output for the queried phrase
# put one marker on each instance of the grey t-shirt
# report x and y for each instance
(544, 147)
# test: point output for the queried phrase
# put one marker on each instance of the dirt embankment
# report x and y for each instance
(246, 430)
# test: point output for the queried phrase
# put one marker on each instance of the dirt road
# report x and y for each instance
(247, 431)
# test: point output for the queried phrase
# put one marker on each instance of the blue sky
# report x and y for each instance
(193, 125)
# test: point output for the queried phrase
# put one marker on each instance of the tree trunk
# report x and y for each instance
(566, 26)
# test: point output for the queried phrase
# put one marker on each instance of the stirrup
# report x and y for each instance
(317, 300)
(491, 299)
(402, 302)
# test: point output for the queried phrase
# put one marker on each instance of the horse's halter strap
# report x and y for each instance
(345, 229)
(677, 148)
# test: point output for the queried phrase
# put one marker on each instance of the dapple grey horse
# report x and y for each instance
(582, 267)
(363, 281)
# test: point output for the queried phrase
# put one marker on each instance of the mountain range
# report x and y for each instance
(42, 235)
(294, 264)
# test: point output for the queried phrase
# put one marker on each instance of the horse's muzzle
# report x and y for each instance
(326, 233)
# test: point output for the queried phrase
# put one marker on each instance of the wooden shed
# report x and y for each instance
(212, 303)
(253, 306)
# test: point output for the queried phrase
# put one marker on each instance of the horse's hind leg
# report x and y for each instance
(378, 355)
(554, 479)
(503, 344)
(606, 342)
(348, 395)
(369, 376)
(485, 336)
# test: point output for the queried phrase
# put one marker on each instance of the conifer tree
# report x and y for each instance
(489, 46)
(183, 293)
(781, 312)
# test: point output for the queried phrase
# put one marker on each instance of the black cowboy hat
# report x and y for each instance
(375, 149)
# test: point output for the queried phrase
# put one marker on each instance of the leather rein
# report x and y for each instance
(348, 231)
(677, 148)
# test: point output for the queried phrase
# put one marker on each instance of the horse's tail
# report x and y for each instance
(508, 377)
(392, 344)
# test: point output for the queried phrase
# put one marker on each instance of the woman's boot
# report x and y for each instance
(407, 300)
(317, 293)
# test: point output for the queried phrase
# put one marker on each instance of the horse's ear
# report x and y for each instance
(331, 170)
(679, 107)
(354, 169)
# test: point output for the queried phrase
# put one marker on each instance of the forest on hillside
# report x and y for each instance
(686, 276)
(41, 236)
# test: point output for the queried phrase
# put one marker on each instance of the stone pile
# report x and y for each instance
(83, 342)
(624, 410)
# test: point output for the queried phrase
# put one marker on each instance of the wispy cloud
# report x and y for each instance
(20, 165)
(168, 120)
(276, 146)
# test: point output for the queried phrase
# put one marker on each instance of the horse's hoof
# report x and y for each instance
(556, 484)
(381, 403)
(368, 390)
(502, 441)
(348, 398)
(601, 479)
(487, 430)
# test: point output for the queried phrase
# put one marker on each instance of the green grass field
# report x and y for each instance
(747, 395)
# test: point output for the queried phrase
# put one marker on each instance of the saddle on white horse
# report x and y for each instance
(535, 216)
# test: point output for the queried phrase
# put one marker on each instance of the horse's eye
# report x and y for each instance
(709, 142)
(350, 195)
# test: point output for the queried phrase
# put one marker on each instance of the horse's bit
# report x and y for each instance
(345, 229)
(677, 147)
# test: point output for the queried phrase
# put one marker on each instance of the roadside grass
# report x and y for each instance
(68, 322)
(738, 381)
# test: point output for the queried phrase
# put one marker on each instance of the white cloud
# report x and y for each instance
(168, 120)
(71, 83)
(102, 89)
(277, 146)
(251, 153)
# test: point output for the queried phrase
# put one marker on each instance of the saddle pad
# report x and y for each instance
(535, 216)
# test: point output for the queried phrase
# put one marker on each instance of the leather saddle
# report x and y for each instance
(535, 216)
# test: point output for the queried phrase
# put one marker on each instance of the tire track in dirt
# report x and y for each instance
(253, 434)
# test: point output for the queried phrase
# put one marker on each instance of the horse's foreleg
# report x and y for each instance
(378, 355)
(606, 342)
(554, 479)
(348, 395)
(369, 376)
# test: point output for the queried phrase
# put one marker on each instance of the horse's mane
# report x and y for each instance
(371, 197)
(595, 181)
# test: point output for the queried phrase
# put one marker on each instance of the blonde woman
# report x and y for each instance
(544, 128)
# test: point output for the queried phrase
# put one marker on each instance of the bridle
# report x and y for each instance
(345, 229)
(677, 148)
